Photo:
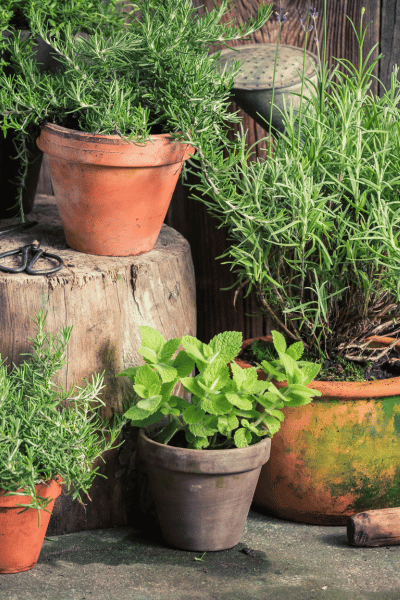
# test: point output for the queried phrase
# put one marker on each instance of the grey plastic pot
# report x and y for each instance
(202, 497)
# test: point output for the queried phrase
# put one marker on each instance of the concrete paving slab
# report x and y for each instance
(275, 560)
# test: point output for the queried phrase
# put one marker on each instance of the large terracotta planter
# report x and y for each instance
(112, 195)
(337, 456)
(202, 497)
(21, 538)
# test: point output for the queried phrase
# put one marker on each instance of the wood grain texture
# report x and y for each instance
(105, 299)
(375, 528)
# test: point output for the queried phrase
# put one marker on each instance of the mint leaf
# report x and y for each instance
(147, 383)
(309, 372)
(296, 350)
(193, 414)
(169, 349)
(150, 404)
(166, 372)
(227, 344)
(279, 341)
(129, 372)
(219, 406)
(242, 402)
(183, 364)
(242, 437)
(152, 340)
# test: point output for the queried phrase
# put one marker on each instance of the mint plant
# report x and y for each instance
(229, 406)
(46, 431)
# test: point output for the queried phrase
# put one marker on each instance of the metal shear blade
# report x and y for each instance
(27, 264)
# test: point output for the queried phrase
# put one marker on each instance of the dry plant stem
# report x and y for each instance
(276, 319)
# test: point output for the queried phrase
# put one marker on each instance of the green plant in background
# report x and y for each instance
(155, 75)
(81, 14)
(315, 228)
(224, 411)
(45, 430)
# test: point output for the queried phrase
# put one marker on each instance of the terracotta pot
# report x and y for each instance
(202, 497)
(21, 536)
(337, 456)
(112, 195)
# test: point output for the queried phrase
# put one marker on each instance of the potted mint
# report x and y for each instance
(123, 114)
(48, 436)
(204, 456)
(315, 229)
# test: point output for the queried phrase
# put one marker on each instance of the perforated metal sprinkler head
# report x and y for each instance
(253, 86)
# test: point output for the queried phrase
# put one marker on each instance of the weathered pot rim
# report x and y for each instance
(45, 490)
(111, 150)
(344, 390)
(206, 461)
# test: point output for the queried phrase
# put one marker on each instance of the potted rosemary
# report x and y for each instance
(20, 159)
(122, 114)
(48, 436)
(315, 229)
(204, 457)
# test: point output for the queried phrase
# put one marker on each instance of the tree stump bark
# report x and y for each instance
(105, 299)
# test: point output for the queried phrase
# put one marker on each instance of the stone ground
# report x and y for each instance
(276, 560)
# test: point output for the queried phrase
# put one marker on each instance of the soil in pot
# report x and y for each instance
(337, 456)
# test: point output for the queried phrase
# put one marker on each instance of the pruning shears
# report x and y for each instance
(30, 254)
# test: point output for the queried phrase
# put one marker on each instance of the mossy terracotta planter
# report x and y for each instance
(112, 195)
(21, 538)
(202, 497)
(337, 456)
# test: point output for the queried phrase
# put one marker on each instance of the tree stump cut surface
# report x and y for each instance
(105, 299)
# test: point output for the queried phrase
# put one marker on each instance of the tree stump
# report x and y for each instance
(105, 299)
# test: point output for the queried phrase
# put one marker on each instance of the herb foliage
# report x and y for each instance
(315, 226)
(46, 431)
(224, 411)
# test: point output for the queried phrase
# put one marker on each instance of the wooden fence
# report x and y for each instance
(216, 308)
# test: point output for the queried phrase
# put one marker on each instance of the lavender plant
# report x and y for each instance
(315, 228)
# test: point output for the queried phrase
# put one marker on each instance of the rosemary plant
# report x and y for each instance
(154, 75)
(45, 430)
(315, 227)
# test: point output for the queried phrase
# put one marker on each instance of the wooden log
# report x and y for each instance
(375, 528)
(105, 299)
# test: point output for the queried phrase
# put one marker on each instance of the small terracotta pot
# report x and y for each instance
(112, 195)
(338, 455)
(21, 536)
(202, 497)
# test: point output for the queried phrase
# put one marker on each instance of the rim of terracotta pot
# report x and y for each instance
(111, 150)
(345, 390)
(206, 461)
(46, 489)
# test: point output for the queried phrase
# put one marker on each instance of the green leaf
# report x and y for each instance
(227, 344)
(272, 423)
(151, 340)
(216, 375)
(169, 349)
(240, 401)
(310, 371)
(183, 364)
(193, 414)
(217, 406)
(296, 350)
(242, 437)
(190, 384)
(196, 443)
(147, 382)
(166, 372)
(129, 372)
(269, 369)
(150, 404)
(279, 341)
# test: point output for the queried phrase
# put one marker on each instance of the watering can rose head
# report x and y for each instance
(230, 406)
